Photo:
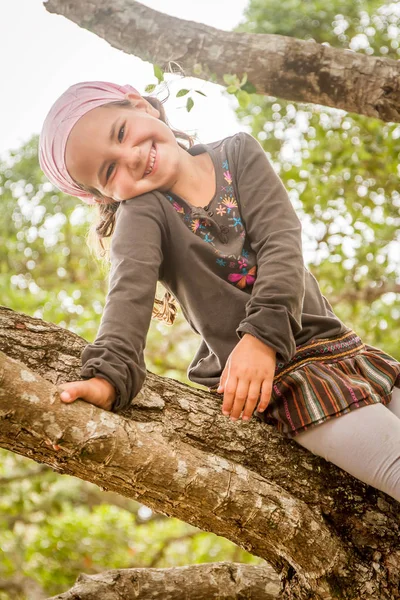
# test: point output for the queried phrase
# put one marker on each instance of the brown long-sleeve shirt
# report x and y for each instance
(235, 266)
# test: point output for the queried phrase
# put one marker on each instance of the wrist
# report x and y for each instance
(251, 339)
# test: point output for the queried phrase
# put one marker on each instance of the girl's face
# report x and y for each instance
(123, 152)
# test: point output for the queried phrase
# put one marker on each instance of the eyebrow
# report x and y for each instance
(111, 137)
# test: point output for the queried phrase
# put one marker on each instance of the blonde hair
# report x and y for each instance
(164, 310)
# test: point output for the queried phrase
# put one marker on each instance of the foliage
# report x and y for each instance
(341, 170)
(342, 175)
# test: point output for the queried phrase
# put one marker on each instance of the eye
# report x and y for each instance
(109, 171)
(121, 133)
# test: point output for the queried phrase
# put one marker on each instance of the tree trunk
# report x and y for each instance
(222, 581)
(326, 534)
(277, 65)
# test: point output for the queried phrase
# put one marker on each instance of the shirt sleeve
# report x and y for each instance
(273, 312)
(136, 259)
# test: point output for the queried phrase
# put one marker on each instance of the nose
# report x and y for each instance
(131, 157)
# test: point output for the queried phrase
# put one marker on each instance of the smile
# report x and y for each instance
(151, 161)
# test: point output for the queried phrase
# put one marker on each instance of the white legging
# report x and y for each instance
(364, 442)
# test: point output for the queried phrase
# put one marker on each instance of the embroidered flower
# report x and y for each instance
(208, 238)
(178, 207)
(229, 203)
(221, 210)
(221, 262)
(228, 177)
(232, 264)
(244, 278)
(225, 165)
(245, 253)
(242, 262)
(237, 222)
(195, 225)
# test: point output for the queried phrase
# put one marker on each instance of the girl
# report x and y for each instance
(214, 224)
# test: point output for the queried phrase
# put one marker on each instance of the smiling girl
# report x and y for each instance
(214, 224)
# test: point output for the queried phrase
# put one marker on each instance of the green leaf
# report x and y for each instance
(249, 88)
(231, 79)
(200, 92)
(243, 98)
(150, 88)
(189, 104)
(244, 79)
(232, 89)
(182, 93)
(158, 72)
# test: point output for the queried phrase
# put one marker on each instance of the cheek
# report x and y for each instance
(123, 188)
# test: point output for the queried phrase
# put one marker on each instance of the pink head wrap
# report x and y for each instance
(75, 102)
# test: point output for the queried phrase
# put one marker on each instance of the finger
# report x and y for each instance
(221, 385)
(229, 395)
(240, 398)
(252, 399)
(72, 391)
(266, 391)
(225, 376)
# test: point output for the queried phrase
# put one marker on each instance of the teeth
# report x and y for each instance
(152, 160)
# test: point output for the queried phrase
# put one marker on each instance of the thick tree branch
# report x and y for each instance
(279, 66)
(368, 294)
(222, 581)
(315, 524)
(127, 456)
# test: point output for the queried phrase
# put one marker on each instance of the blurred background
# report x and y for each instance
(341, 171)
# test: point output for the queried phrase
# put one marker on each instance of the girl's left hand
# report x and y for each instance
(248, 373)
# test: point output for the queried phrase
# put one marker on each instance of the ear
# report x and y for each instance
(140, 103)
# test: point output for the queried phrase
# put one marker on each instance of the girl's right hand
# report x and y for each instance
(96, 391)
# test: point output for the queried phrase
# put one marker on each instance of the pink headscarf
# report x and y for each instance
(75, 102)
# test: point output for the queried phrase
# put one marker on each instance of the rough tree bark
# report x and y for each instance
(217, 581)
(326, 534)
(277, 65)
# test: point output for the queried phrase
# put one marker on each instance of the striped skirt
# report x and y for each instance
(329, 378)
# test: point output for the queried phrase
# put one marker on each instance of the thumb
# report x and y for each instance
(71, 392)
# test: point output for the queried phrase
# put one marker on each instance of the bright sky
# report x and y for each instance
(42, 54)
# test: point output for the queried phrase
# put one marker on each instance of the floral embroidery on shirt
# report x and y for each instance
(178, 208)
(236, 222)
(228, 177)
(244, 278)
(230, 203)
(211, 230)
(208, 238)
(195, 225)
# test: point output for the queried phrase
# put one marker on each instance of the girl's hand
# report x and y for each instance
(248, 373)
(96, 391)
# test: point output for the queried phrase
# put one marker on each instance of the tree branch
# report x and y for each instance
(128, 456)
(276, 65)
(225, 581)
(367, 294)
(313, 523)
